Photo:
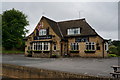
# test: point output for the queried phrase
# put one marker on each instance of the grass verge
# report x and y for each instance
(12, 52)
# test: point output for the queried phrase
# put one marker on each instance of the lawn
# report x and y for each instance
(12, 52)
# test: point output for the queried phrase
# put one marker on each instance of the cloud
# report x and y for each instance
(60, 0)
(102, 16)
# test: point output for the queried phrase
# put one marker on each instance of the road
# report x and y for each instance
(90, 66)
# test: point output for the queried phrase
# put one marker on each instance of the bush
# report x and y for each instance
(113, 55)
(113, 50)
(54, 56)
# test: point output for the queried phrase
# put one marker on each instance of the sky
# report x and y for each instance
(102, 16)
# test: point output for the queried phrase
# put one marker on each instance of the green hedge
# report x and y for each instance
(113, 55)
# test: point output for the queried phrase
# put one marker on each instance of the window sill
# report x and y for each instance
(40, 51)
(74, 51)
(46, 51)
(90, 51)
(37, 51)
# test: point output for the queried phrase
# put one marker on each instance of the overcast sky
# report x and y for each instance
(102, 16)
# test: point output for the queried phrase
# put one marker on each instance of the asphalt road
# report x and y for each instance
(90, 66)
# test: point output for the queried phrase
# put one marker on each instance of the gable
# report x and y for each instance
(54, 25)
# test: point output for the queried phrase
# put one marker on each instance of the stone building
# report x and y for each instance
(65, 38)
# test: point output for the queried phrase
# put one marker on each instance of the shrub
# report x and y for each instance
(54, 56)
(113, 49)
(113, 55)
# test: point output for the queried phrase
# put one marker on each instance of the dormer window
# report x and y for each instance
(42, 32)
(73, 31)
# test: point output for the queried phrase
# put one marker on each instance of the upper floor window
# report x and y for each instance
(42, 32)
(90, 46)
(73, 31)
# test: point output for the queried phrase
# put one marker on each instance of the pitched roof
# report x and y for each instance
(86, 29)
(54, 26)
(60, 28)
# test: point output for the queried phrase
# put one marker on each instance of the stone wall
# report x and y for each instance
(82, 48)
(16, 71)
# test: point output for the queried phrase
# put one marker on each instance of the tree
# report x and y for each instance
(0, 33)
(117, 44)
(14, 29)
(115, 47)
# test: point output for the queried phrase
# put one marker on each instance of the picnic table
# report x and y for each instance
(116, 71)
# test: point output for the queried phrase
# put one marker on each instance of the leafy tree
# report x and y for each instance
(116, 43)
(0, 33)
(115, 47)
(14, 29)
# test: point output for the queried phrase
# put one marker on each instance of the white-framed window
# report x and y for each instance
(106, 46)
(41, 46)
(34, 46)
(73, 31)
(30, 47)
(90, 45)
(74, 46)
(42, 32)
(46, 46)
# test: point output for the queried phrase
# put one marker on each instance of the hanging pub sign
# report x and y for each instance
(43, 37)
(81, 39)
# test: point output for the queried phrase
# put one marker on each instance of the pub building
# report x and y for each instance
(65, 38)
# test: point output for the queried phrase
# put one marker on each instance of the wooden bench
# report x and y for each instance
(115, 68)
(116, 73)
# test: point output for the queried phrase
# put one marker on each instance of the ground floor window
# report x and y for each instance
(90, 45)
(45, 46)
(98, 47)
(74, 46)
(41, 46)
(29, 47)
